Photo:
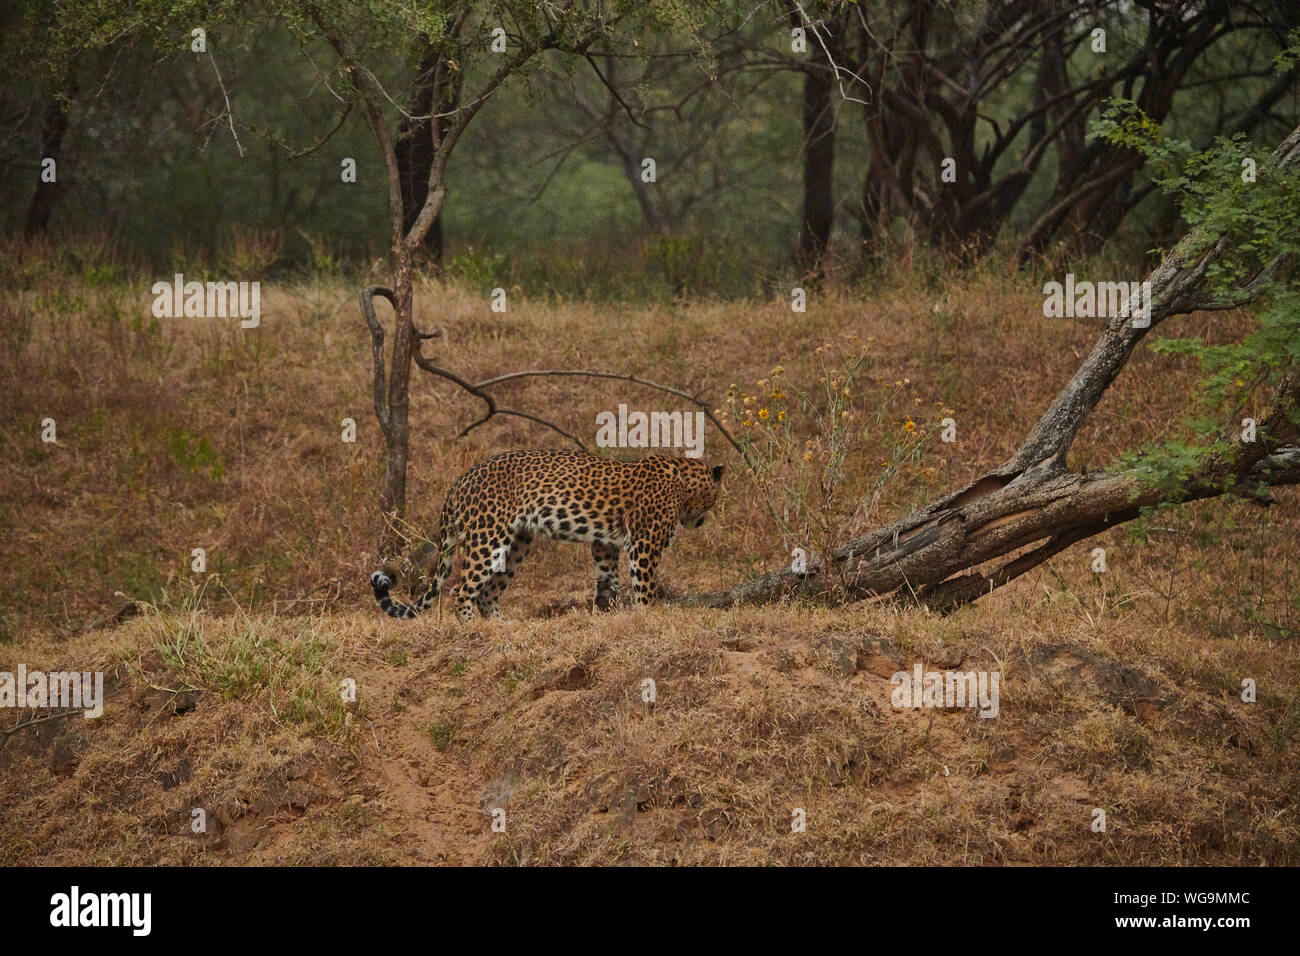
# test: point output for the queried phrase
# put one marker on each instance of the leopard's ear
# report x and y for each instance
(717, 472)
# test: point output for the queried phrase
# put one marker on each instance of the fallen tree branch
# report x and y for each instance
(1031, 499)
(921, 555)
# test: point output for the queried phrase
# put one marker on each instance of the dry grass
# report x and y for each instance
(1120, 691)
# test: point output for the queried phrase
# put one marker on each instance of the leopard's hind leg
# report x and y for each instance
(503, 571)
(475, 588)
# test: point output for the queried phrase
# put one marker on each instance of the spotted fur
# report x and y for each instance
(500, 505)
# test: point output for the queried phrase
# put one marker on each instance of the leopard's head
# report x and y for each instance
(702, 485)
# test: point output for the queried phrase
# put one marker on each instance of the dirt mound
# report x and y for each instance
(660, 736)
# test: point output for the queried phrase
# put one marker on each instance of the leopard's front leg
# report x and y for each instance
(650, 531)
(643, 561)
(606, 557)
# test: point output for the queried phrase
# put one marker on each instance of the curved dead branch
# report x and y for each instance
(377, 346)
(492, 407)
(668, 389)
(479, 389)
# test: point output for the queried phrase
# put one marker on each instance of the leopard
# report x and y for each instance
(496, 508)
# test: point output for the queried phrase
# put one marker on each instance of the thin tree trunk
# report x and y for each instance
(41, 208)
(437, 92)
(827, 43)
(818, 169)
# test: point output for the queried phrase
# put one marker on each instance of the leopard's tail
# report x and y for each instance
(381, 582)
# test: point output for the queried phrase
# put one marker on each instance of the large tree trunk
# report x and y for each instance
(630, 158)
(1032, 499)
(920, 555)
